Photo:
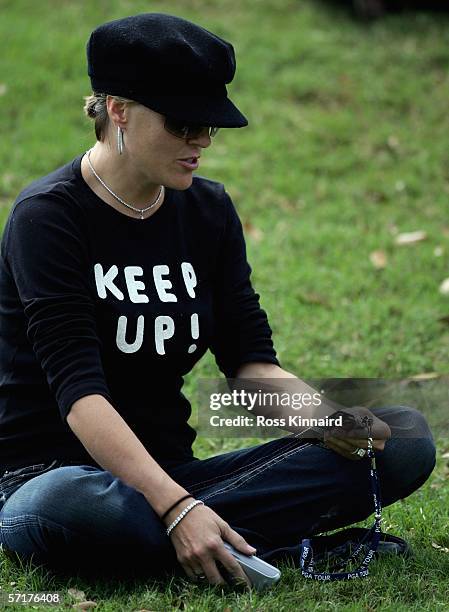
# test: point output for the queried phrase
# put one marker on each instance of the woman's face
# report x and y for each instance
(155, 153)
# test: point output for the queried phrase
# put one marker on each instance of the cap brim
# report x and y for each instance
(199, 110)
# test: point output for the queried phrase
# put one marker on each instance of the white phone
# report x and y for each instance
(260, 573)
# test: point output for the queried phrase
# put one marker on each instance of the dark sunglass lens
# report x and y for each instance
(182, 130)
(194, 131)
(175, 127)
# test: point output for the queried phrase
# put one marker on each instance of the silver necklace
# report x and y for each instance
(140, 211)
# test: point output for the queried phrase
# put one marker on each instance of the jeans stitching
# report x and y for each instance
(13, 481)
(210, 481)
(255, 472)
(244, 468)
(9, 525)
(16, 475)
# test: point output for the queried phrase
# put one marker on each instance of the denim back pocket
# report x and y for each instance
(11, 481)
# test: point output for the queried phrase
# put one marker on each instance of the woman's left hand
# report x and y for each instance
(347, 444)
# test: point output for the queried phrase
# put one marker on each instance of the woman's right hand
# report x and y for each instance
(198, 541)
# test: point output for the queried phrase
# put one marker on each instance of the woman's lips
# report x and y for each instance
(192, 164)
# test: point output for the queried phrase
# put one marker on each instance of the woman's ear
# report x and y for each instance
(117, 111)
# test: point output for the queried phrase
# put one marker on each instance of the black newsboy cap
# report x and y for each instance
(168, 64)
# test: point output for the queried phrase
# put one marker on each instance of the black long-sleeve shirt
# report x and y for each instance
(95, 302)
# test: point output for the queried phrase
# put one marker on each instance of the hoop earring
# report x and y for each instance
(120, 142)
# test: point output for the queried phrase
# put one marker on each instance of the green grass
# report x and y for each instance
(347, 146)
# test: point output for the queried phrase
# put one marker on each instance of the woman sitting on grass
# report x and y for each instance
(118, 271)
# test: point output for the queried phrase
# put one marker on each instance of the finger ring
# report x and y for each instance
(361, 452)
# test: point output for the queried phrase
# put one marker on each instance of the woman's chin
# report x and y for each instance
(180, 183)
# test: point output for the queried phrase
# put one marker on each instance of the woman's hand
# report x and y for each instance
(198, 541)
(346, 441)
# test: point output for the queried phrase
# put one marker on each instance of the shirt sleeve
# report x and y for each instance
(48, 260)
(242, 333)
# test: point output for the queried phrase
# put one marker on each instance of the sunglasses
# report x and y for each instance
(182, 130)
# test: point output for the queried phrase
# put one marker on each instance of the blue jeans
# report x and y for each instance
(275, 493)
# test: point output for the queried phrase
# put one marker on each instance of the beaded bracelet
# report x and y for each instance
(180, 516)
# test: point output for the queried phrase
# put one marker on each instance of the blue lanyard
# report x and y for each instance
(306, 551)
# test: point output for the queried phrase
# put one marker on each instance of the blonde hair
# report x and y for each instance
(95, 108)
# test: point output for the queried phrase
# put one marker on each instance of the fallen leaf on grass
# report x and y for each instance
(378, 259)
(445, 456)
(254, 232)
(76, 594)
(444, 287)
(346, 350)
(438, 547)
(84, 605)
(438, 251)
(410, 237)
(3, 89)
(392, 142)
(425, 376)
